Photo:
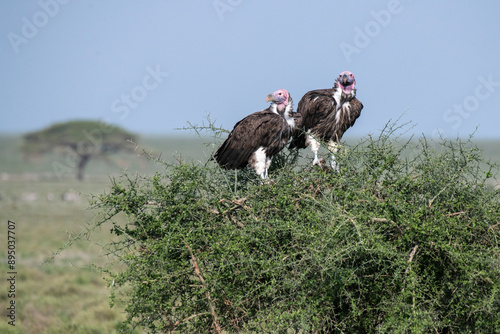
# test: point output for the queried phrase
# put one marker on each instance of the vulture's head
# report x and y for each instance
(280, 97)
(346, 81)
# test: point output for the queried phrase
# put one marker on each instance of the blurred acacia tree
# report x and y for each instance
(79, 141)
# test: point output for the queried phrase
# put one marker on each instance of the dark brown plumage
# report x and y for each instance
(317, 112)
(325, 115)
(258, 137)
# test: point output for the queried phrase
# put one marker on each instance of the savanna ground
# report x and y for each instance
(67, 295)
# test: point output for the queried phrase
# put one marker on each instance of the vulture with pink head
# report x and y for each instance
(258, 137)
(325, 114)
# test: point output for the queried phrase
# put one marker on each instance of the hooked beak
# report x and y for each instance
(269, 98)
(346, 80)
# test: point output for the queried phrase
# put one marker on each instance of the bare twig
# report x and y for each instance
(237, 202)
(381, 220)
(493, 226)
(412, 254)
(410, 259)
(456, 214)
(197, 271)
(356, 226)
(434, 198)
(178, 322)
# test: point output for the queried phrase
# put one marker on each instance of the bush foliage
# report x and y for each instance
(405, 238)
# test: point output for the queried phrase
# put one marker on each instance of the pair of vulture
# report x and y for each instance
(322, 115)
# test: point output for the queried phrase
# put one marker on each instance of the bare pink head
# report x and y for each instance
(346, 81)
(280, 97)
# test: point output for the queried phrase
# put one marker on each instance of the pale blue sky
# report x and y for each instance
(153, 66)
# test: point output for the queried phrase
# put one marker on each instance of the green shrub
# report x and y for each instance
(404, 239)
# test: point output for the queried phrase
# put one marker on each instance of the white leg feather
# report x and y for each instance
(314, 145)
(268, 164)
(333, 147)
(258, 162)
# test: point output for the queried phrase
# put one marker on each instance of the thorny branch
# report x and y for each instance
(207, 293)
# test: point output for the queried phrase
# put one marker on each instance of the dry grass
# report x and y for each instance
(66, 295)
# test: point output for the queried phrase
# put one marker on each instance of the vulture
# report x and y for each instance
(325, 114)
(258, 137)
